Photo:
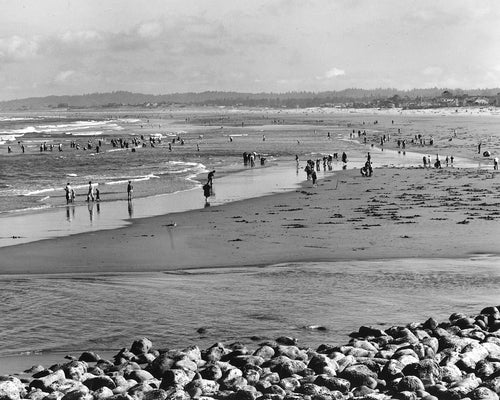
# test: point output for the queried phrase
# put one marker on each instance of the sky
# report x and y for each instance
(59, 47)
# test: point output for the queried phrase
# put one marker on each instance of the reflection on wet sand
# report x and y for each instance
(130, 208)
(70, 212)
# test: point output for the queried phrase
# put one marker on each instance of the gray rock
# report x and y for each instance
(321, 364)
(44, 382)
(176, 378)
(290, 384)
(141, 346)
(483, 393)
(211, 372)
(9, 390)
(358, 375)
(77, 395)
(333, 383)
(204, 386)
(215, 352)
(103, 393)
(410, 384)
(288, 367)
(266, 352)
(155, 394)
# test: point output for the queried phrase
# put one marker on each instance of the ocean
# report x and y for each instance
(68, 314)
(110, 148)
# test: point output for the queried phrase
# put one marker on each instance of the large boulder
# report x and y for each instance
(483, 393)
(99, 382)
(176, 378)
(141, 346)
(358, 375)
(9, 390)
(322, 364)
(44, 382)
(333, 383)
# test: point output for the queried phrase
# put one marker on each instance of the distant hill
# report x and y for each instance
(288, 99)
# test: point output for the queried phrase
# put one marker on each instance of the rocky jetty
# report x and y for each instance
(456, 359)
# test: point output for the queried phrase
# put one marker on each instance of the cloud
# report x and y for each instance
(80, 37)
(432, 70)
(17, 48)
(63, 76)
(334, 72)
(150, 30)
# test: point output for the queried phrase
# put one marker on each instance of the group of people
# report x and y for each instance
(250, 157)
(93, 193)
(437, 163)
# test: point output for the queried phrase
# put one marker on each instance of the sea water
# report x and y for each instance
(60, 314)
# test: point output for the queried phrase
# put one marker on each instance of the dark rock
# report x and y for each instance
(99, 382)
(77, 395)
(141, 346)
(160, 365)
(367, 331)
(214, 353)
(275, 389)
(483, 393)
(358, 375)
(176, 378)
(333, 383)
(362, 391)
(139, 375)
(410, 384)
(155, 394)
(286, 340)
(211, 372)
(427, 370)
(89, 356)
(204, 386)
(322, 364)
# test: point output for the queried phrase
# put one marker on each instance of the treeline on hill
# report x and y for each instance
(288, 99)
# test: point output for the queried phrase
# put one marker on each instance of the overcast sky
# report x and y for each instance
(165, 46)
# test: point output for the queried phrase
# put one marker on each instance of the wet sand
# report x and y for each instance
(412, 212)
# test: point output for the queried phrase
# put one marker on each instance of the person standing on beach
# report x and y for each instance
(313, 177)
(206, 191)
(495, 163)
(90, 193)
(130, 188)
(211, 177)
(68, 190)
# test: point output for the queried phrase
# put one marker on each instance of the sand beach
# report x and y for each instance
(395, 213)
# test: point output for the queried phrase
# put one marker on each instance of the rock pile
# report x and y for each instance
(457, 359)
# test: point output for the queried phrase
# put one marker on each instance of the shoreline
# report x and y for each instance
(375, 218)
(39, 222)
